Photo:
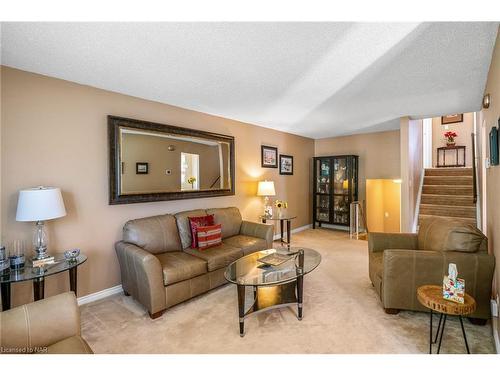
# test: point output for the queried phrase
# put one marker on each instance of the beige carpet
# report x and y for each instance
(342, 314)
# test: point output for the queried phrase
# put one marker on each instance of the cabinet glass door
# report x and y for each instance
(322, 208)
(323, 176)
(341, 209)
(340, 177)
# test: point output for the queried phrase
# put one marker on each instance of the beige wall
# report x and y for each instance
(463, 129)
(378, 154)
(55, 133)
(154, 151)
(383, 205)
(490, 118)
(411, 171)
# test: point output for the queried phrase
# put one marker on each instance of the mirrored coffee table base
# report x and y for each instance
(273, 286)
(269, 297)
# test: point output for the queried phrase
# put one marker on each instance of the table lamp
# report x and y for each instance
(266, 189)
(39, 204)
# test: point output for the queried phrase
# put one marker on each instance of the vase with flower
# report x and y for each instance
(450, 138)
(191, 180)
(280, 205)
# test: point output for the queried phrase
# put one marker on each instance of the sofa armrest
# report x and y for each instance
(33, 327)
(382, 241)
(405, 270)
(259, 230)
(142, 276)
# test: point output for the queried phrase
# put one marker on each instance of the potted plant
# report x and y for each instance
(450, 138)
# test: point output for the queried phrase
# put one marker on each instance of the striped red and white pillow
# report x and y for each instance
(209, 236)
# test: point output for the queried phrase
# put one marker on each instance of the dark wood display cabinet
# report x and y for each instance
(335, 187)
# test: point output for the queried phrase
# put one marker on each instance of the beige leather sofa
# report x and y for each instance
(401, 262)
(51, 325)
(160, 269)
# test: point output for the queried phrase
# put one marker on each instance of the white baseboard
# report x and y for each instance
(100, 295)
(296, 230)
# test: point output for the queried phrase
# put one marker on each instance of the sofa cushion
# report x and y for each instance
(217, 257)
(230, 218)
(198, 221)
(178, 266)
(209, 236)
(184, 227)
(155, 234)
(247, 244)
(438, 234)
(71, 345)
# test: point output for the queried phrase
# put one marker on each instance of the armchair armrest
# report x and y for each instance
(382, 241)
(142, 276)
(259, 230)
(31, 328)
(405, 270)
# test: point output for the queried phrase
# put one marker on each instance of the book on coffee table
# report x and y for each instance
(275, 259)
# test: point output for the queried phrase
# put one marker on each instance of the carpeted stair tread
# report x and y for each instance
(449, 172)
(447, 189)
(453, 211)
(448, 180)
(447, 200)
(466, 219)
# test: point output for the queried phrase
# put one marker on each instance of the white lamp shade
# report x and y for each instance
(40, 203)
(266, 189)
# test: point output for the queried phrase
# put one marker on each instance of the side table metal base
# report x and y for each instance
(440, 332)
(5, 290)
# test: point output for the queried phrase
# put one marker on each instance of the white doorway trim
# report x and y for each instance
(427, 142)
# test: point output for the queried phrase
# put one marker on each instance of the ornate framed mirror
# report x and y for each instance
(151, 162)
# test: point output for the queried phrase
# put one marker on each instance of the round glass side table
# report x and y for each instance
(38, 274)
(283, 217)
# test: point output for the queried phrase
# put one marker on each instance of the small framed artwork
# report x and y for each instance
(286, 164)
(269, 157)
(452, 119)
(494, 146)
(141, 168)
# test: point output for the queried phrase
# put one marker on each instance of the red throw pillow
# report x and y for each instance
(209, 236)
(199, 221)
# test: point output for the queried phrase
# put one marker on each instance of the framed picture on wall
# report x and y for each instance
(494, 146)
(269, 157)
(286, 164)
(141, 168)
(452, 119)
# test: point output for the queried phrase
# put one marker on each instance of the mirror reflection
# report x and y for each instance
(155, 162)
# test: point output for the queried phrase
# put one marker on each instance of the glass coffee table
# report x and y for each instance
(273, 286)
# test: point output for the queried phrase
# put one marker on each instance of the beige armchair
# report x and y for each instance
(401, 262)
(48, 326)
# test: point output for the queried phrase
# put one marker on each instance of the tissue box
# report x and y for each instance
(454, 290)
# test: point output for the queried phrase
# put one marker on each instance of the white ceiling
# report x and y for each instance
(313, 79)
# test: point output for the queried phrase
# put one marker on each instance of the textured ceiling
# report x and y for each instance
(313, 79)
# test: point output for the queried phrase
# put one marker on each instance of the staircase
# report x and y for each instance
(448, 192)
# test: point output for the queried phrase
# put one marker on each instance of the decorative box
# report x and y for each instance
(453, 287)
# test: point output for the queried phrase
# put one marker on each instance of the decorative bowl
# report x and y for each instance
(71, 254)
